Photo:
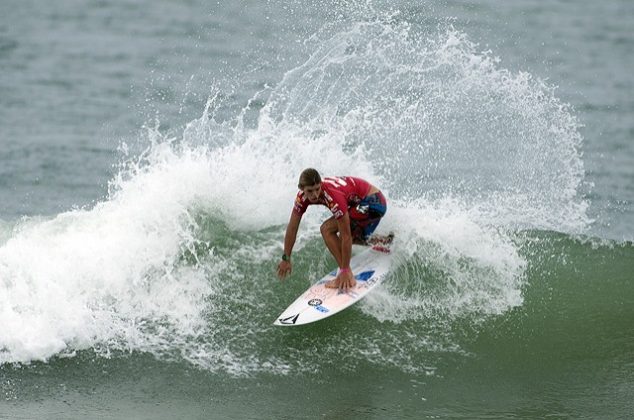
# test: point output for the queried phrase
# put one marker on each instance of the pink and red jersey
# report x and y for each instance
(338, 193)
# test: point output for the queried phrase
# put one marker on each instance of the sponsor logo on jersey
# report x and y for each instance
(299, 202)
(336, 212)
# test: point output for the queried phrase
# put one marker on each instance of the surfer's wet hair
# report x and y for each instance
(309, 177)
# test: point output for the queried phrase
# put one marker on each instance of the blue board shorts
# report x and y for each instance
(365, 217)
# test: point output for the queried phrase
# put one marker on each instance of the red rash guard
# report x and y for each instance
(338, 193)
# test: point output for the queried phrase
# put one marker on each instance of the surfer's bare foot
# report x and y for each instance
(344, 283)
(381, 239)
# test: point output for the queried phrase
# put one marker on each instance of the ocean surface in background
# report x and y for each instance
(148, 162)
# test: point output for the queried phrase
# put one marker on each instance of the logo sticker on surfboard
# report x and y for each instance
(290, 320)
(364, 276)
(316, 303)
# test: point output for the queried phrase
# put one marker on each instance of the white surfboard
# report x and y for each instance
(318, 302)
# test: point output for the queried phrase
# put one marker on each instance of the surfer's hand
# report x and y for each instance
(284, 268)
(345, 281)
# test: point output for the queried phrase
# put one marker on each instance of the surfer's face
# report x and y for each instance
(313, 192)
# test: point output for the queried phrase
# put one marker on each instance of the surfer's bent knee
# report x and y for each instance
(329, 226)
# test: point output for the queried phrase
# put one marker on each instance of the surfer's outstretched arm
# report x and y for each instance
(285, 267)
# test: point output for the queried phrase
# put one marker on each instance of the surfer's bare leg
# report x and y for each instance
(329, 230)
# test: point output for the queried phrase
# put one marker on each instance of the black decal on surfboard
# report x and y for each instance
(315, 302)
(290, 320)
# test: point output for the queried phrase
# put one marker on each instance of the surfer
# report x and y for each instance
(357, 207)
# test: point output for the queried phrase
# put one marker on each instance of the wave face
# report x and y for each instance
(179, 260)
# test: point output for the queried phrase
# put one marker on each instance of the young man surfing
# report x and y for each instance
(357, 207)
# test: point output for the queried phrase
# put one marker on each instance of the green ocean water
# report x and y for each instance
(147, 170)
(564, 353)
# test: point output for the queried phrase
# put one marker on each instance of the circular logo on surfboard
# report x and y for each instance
(315, 302)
